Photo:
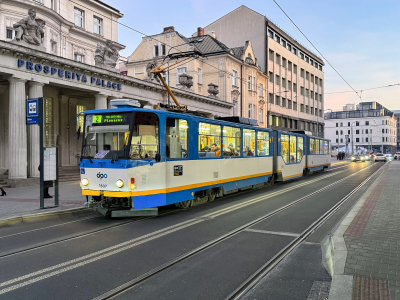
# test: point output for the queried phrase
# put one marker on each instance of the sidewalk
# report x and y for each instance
(25, 200)
(371, 240)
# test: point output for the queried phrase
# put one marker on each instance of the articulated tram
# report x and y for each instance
(135, 160)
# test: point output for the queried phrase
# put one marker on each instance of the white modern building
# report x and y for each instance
(367, 125)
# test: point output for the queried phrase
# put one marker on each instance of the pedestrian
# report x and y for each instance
(3, 192)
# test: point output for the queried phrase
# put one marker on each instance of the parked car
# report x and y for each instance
(380, 157)
(358, 157)
(389, 156)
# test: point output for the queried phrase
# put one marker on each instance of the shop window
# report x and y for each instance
(209, 140)
(262, 143)
(177, 138)
(300, 147)
(292, 149)
(285, 148)
(232, 139)
(249, 142)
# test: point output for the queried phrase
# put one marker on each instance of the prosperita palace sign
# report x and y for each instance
(61, 73)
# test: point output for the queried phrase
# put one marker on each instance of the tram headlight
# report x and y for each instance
(119, 183)
(85, 181)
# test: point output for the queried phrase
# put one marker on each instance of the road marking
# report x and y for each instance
(78, 262)
(273, 232)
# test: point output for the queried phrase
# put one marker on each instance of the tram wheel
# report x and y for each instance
(211, 196)
(185, 204)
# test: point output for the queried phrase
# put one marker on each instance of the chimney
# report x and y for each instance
(200, 31)
(169, 28)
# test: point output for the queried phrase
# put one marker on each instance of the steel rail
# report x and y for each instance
(130, 284)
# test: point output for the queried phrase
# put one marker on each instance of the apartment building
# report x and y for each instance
(397, 117)
(216, 75)
(296, 78)
(368, 126)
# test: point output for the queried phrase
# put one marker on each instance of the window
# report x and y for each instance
(234, 78)
(357, 123)
(78, 17)
(284, 82)
(312, 78)
(386, 122)
(316, 111)
(386, 131)
(284, 62)
(180, 71)
(288, 46)
(283, 102)
(300, 148)
(348, 131)
(254, 84)
(283, 43)
(307, 93)
(348, 123)
(312, 110)
(262, 143)
(301, 107)
(320, 82)
(294, 69)
(52, 5)
(341, 132)
(366, 140)
(307, 110)
(289, 104)
(278, 80)
(163, 49)
(277, 100)
(302, 73)
(285, 147)
(366, 131)
(199, 76)
(290, 65)
(177, 138)
(341, 140)
(97, 22)
(261, 115)
(271, 77)
(337, 140)
(53, 47)
(295, 87)
(278, 59)
(271, 55)
(357, 131)
(289, 85)
(277, 39)
(302, 91)
(232, 140)
(271, 98)
(307, 75)
(357, 140)
(307, 59)
(156, 53)
(250, 110)
(316, 96)
(249, 142)
(270, 34)
(316, 146)
(209, 140)
(312, 145)
(292, 157)
(249, 83)
(302, 56)
(383, 122)
(312, 95)
(78, 57)
(261, 92)
(316, 80)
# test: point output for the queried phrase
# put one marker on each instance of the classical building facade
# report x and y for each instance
(69, 83)
(296, 78)
(367, 125)
(218, 76)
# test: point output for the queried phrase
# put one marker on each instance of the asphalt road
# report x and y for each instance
(85, 257)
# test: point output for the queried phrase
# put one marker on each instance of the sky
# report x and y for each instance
(360, 38)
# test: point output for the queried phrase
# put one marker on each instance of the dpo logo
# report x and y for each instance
(101, 176)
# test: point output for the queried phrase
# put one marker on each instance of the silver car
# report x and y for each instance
(380, 157)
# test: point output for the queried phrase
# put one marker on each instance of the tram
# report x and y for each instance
(134, 159)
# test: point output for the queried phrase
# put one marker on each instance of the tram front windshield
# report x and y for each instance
(108, 136)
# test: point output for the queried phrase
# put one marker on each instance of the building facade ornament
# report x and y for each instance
(106, 56)
(150, 66)
(213, 90)
(186, 80)
(30, 31)
(235, 94)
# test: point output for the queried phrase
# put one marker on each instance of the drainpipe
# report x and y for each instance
(241, 90)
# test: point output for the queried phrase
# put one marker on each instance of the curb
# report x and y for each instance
(334, 250)
(39, 216)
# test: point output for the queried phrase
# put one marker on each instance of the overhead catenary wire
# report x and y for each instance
(316, 49)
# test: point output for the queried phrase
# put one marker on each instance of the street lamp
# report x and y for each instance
(268, 125)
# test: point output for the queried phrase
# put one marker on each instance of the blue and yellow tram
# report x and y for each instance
(134, 158)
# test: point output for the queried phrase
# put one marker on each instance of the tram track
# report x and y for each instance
(250, 282)
(269, 195)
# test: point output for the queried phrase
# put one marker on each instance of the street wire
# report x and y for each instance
(317, 49)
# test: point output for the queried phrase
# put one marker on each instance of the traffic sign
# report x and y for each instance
(32, 111)
(32, 121)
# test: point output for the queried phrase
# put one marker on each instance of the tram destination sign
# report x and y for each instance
(103, 119)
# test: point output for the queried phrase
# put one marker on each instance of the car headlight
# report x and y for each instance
(85, 181)
(352, 158)
(119, 183)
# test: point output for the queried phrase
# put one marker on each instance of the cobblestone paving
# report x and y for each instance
(319, 290)
(365, 288)
(373, 238)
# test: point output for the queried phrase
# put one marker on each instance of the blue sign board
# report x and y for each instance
(32, 111)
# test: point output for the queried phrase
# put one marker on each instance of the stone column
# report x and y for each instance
(35, 91)
(17, 129)
(101, 101)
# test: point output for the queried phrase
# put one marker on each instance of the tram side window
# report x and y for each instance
(232, 142)
(326, 147)
(209, 140)
(329, 148)
(321, 147)
(292, 149)
(262, 143)
(144, 142)
(312, 146)
(316, 146)
(300, 148)
(285, 147)
(249, 142)
(177, 138)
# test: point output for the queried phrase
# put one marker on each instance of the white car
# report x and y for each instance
(380, 157)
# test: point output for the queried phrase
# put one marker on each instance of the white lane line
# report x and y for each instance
(273, 232)
(140, 240)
